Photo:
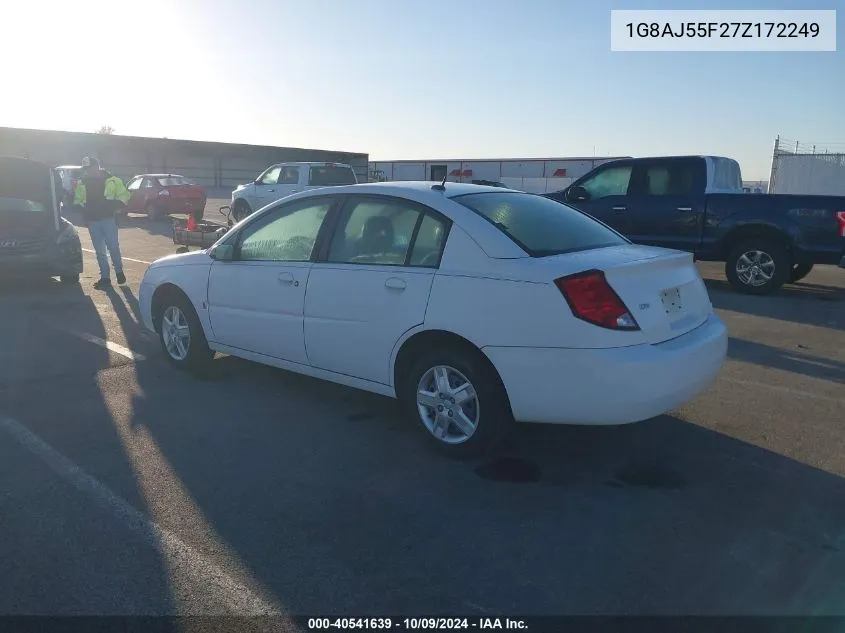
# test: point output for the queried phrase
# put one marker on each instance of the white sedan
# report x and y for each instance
(474, 306)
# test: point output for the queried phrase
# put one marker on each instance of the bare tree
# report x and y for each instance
(106, 129)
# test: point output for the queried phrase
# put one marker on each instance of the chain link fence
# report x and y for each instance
(807, 168)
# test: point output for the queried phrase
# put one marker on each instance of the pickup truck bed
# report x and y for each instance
(695, 204)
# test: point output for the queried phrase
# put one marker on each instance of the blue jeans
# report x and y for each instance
(104, 237)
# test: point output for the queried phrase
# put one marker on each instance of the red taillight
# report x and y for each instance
(591, 299)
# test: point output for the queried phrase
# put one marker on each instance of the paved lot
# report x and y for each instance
(126, 487)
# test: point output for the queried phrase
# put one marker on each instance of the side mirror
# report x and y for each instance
(577, 194)
(222, 253)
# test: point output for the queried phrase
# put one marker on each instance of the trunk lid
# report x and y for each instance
(28, 205)
(182, 189)
(661, 288)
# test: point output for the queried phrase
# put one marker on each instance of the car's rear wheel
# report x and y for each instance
(457, 398)
(72, 278)
(240, 210)
(181, 334)
(758, 266)
(799, 271)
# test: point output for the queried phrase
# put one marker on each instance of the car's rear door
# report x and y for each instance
(373, 286)
(665, 205)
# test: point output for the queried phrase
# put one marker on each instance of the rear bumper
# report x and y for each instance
(61, 259)
(610, 386)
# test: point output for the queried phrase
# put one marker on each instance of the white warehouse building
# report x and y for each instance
(535, 175)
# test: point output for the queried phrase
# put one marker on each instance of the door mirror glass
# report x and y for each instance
(577, 194)
(223, 252)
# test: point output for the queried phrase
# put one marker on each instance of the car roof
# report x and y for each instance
(69, 167)
(319, 163)
(493, 241)
(158, 176)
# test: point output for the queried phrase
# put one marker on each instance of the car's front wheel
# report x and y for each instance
(457, 398)
(181, 334)
(240, 210)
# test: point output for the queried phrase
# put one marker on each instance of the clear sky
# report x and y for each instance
(405, 79)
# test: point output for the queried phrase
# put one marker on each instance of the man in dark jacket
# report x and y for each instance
(99, 195)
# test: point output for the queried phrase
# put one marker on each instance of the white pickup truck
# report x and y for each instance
(283, 179)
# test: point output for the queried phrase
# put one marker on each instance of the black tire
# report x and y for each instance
(774, 266)
(799, 271)
(494, 421)
(153, 211)
(72, 278)
(199, 355)
(240, 210)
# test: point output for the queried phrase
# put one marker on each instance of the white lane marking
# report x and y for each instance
(236, 597)
(109, 345)
(128, 259)
(789, 390)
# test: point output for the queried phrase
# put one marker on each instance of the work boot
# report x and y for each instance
(102, 283)
(121, 278)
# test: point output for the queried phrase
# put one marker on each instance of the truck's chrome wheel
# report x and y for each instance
(755, 268)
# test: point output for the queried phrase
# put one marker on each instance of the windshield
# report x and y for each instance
(539, 225)
(328, 176)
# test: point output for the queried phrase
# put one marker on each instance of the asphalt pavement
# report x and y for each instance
(129, 488)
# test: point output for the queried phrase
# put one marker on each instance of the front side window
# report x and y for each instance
(287, 234)
(135, 184)
(539, 225)
(612, 181)
(377, 231)
(271, 176)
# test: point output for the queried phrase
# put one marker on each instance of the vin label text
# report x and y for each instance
(724, 30)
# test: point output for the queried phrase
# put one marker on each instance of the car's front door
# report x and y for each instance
(256, 301)
(265, 187)
(607, 191)
(374, 286)
(289, 181)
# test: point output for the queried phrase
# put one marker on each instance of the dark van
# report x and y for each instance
(35, 240)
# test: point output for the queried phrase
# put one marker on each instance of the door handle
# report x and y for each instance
(286, 278)
(271, 190)
(620, 208)
(394, 283)
(684, 208)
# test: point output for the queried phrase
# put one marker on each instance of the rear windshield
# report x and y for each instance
(539, 225)
(329, 176)
(21, 205)
(172, 181)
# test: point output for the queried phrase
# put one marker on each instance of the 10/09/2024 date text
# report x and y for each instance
(416, 624)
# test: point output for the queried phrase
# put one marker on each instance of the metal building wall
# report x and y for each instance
(221, 165)
(800, 169)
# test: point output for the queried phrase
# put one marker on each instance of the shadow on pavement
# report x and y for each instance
(337, 506)
(64, 551)
(806, 304)
(786, 360)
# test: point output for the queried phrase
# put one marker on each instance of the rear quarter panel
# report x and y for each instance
(507, 302)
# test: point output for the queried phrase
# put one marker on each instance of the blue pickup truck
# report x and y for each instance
(696, 204)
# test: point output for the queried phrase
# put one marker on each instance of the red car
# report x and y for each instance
(162, 194)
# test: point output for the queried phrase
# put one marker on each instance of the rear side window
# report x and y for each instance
(330, 175)
(173, 181)
(541, 226)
